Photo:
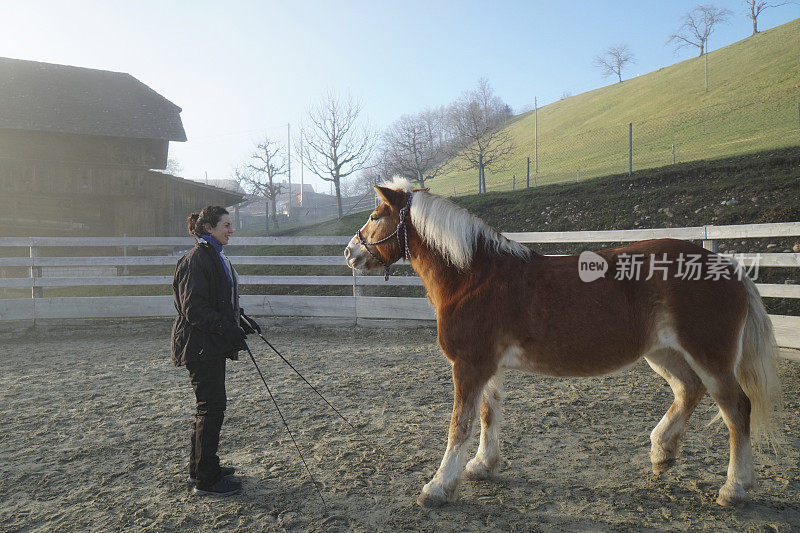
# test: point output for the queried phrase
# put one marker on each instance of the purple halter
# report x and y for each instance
(401, 227)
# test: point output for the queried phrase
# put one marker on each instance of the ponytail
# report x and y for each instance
(211, 214)
(191, 222)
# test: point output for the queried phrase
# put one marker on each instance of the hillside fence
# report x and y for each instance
(559, 155)
(29, 275)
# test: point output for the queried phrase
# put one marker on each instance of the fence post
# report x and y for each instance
(709, 244)
(536, 135)
(358, 290)
(125, 255)
(35, 272)
(579, 175)
(480, 173)
(513, 182)
(528, 172)
(630, 148)
(673, 153)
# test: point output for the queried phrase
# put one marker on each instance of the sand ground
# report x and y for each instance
(95, 428)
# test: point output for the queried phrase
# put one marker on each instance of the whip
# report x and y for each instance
(286, 425)
(253, 324)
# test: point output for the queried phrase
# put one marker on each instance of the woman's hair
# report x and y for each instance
(209, 215)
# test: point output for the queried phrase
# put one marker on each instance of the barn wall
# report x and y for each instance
(45, 198)
(66, 148)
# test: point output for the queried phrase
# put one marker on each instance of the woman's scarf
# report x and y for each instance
(209, 239)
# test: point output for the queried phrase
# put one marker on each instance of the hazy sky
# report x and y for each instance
(241, 70)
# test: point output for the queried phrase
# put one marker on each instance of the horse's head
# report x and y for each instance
(381, 241)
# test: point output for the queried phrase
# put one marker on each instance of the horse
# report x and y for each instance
(500, 305)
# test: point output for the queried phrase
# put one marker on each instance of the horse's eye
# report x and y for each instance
(373, 216)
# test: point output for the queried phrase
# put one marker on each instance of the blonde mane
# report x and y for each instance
(452, 230)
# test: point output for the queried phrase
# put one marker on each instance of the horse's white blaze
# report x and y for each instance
(357, 257)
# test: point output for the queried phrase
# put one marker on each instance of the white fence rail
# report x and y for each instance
(355, 306)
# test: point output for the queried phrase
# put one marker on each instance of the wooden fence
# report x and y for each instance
(354, 307)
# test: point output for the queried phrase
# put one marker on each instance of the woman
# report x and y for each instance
(206, 332)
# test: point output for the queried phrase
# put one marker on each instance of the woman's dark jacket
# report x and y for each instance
(202, 296)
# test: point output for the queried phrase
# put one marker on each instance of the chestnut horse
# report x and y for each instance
(500, 305)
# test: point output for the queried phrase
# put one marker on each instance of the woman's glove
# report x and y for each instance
(234, 334)
(248, 324)
(244, 323)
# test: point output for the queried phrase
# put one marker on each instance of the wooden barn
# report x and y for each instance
(80, 154)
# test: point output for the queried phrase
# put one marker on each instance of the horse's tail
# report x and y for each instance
(756, 369)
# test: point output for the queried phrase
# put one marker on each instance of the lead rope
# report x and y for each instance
(286, 425)
(401, 226)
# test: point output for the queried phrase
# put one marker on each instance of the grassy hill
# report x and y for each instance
(749, 189)
(751, 105)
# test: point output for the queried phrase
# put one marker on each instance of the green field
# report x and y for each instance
(751, 105)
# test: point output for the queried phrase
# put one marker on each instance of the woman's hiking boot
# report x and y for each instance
(224, 486)
(225, 472)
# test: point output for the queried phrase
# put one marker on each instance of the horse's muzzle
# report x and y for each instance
(351, 256)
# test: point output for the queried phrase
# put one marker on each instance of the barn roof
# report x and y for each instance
(65, 99)
(218, 195)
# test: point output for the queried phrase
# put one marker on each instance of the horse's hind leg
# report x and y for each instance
(734, 405)
(487, 459)
(688, 389)
(469, 383)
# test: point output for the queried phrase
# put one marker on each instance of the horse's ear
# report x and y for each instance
(390, 196)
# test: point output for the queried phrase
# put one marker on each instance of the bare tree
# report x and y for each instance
(613, 60)
(173, 167)
(353, 186)
(477, 119)
(755, 7)
(267, 162)
(377, 172)
(336, 143)
(412, 146)
(697, 25)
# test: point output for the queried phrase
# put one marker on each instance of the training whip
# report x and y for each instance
(253, 324)
(313, 480)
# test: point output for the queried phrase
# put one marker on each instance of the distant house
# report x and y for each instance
(227, 184)
(80, 151)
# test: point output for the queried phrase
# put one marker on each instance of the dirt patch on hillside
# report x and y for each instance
(96, 428)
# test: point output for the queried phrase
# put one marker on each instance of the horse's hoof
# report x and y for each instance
(731, 494)
(430, 501)
(477, 470)
(662, 466)
(432, 496)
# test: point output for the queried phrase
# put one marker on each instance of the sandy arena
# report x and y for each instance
(96, 422)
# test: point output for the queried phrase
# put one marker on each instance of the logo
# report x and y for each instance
(591, 266)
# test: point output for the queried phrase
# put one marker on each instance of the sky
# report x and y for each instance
(243, 70)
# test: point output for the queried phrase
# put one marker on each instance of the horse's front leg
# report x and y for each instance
(487, 460)
(468, 386)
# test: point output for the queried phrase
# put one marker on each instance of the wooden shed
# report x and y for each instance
(80, 154)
